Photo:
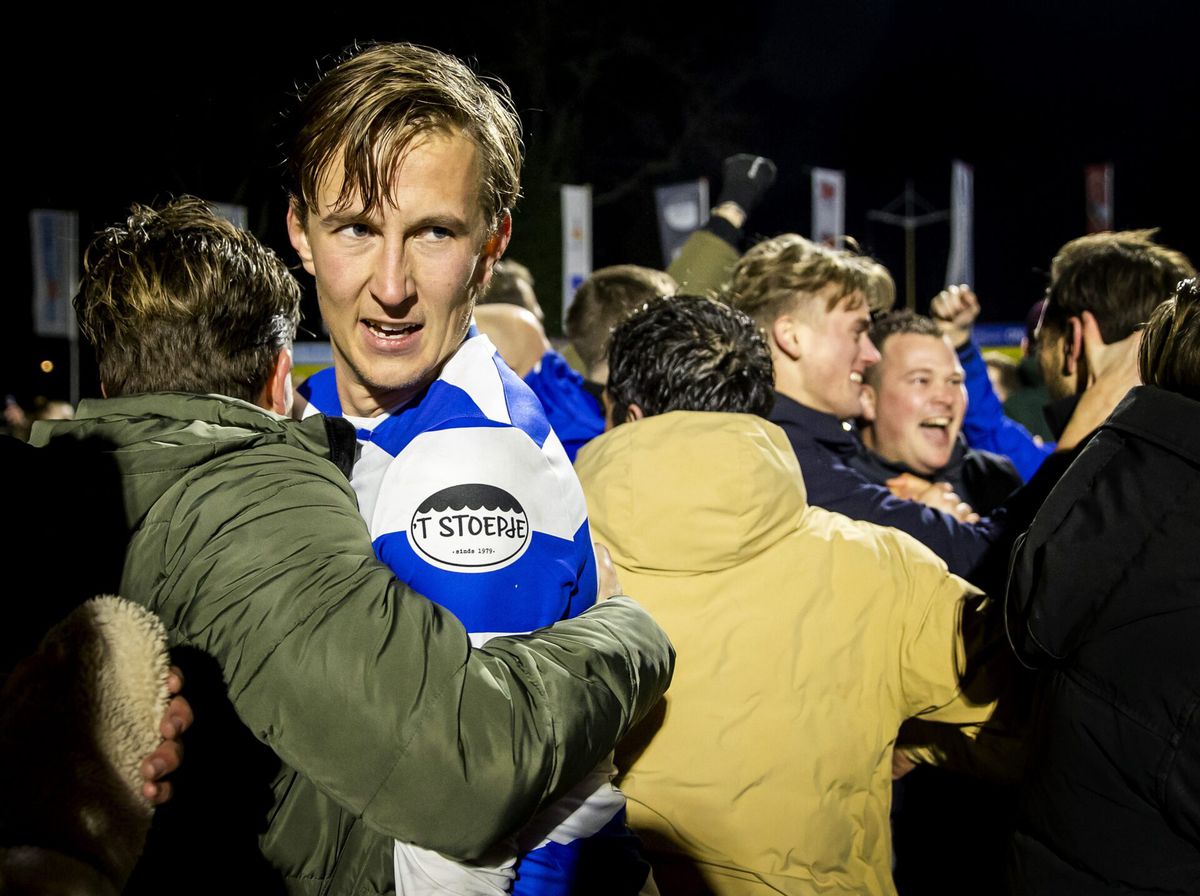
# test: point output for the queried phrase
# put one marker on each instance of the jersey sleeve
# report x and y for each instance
(488, 524)
(987, 428)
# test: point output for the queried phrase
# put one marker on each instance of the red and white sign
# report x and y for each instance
(828, 206)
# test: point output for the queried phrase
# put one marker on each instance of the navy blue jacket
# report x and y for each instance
(976, 551)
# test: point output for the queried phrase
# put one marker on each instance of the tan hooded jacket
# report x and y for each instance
(804, 639)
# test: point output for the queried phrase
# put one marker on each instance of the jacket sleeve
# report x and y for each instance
(986, 427)
(956, 676)
(835, 486)
(704, 264)
(368, 689)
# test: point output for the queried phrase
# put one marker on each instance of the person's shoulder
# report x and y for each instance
(318, 394)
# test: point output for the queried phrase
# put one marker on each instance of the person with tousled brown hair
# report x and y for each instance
(1104, 602)
(343, 710)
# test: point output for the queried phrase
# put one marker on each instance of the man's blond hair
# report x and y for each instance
(779, 274)
(362, 117)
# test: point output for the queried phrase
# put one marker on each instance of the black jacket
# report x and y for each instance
(1104, 599)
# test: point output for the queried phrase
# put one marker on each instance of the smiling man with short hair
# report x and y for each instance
(914, 402)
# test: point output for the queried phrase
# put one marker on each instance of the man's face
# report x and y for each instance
(833, 351)
(917, 402)
(397, 286)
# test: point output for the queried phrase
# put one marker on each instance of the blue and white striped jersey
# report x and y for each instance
(470, 499)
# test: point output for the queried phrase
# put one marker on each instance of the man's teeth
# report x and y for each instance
(855, 376)
(940, 422)
(393, 331)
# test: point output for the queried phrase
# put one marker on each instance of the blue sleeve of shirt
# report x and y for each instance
(986, 427)
(573, 412)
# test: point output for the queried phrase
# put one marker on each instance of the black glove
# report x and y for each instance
(746, 179)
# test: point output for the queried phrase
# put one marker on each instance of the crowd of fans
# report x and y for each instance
(884, 635)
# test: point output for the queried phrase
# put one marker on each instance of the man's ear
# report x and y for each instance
(867, 400)
(494, 247)
(785, 333)
(634, 413)
(1073, 344)
(298, 234)
(277, 392)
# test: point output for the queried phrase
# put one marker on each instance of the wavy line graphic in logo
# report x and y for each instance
(471, 527)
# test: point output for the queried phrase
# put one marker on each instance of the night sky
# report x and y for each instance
(887, 91)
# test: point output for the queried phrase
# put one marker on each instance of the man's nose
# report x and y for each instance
(945, 393)
(867, 350)
(389, 279)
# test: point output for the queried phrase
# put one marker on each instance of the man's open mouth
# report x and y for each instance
(936, 423)
(391, 331)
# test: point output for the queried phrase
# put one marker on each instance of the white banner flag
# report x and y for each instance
(54, 237)
(576, 240)
(828, 206)
(682, 208)
(960, 268)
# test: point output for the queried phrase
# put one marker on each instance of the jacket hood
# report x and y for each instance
(159, 437)
(738, 472)
(1072, 571)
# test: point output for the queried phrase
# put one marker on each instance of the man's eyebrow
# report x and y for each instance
(338, 217)
(448, 220)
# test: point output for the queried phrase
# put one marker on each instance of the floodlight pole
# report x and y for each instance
(910, 220)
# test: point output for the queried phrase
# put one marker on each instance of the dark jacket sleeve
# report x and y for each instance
(835, 486)
(368, 689)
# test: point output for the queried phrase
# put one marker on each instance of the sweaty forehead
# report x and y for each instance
(443, 163)
(909, 351)
(832, 300)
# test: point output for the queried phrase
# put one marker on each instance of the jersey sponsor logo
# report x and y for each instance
(470, 527)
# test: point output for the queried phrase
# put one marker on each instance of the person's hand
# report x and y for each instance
(902, 764)
(955, 309)
(745, 180)
(165, 760)
(610, 586)
(938, 495)
(907, 486)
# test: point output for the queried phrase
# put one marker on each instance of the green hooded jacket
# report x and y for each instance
(245, 539)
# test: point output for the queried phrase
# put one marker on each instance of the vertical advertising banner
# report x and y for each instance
(576, 239)
(682, 208)
(54, 238)
(1098, 187)
(960, 266)
(828, 206)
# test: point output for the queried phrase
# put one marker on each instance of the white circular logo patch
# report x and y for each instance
(471, 527)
